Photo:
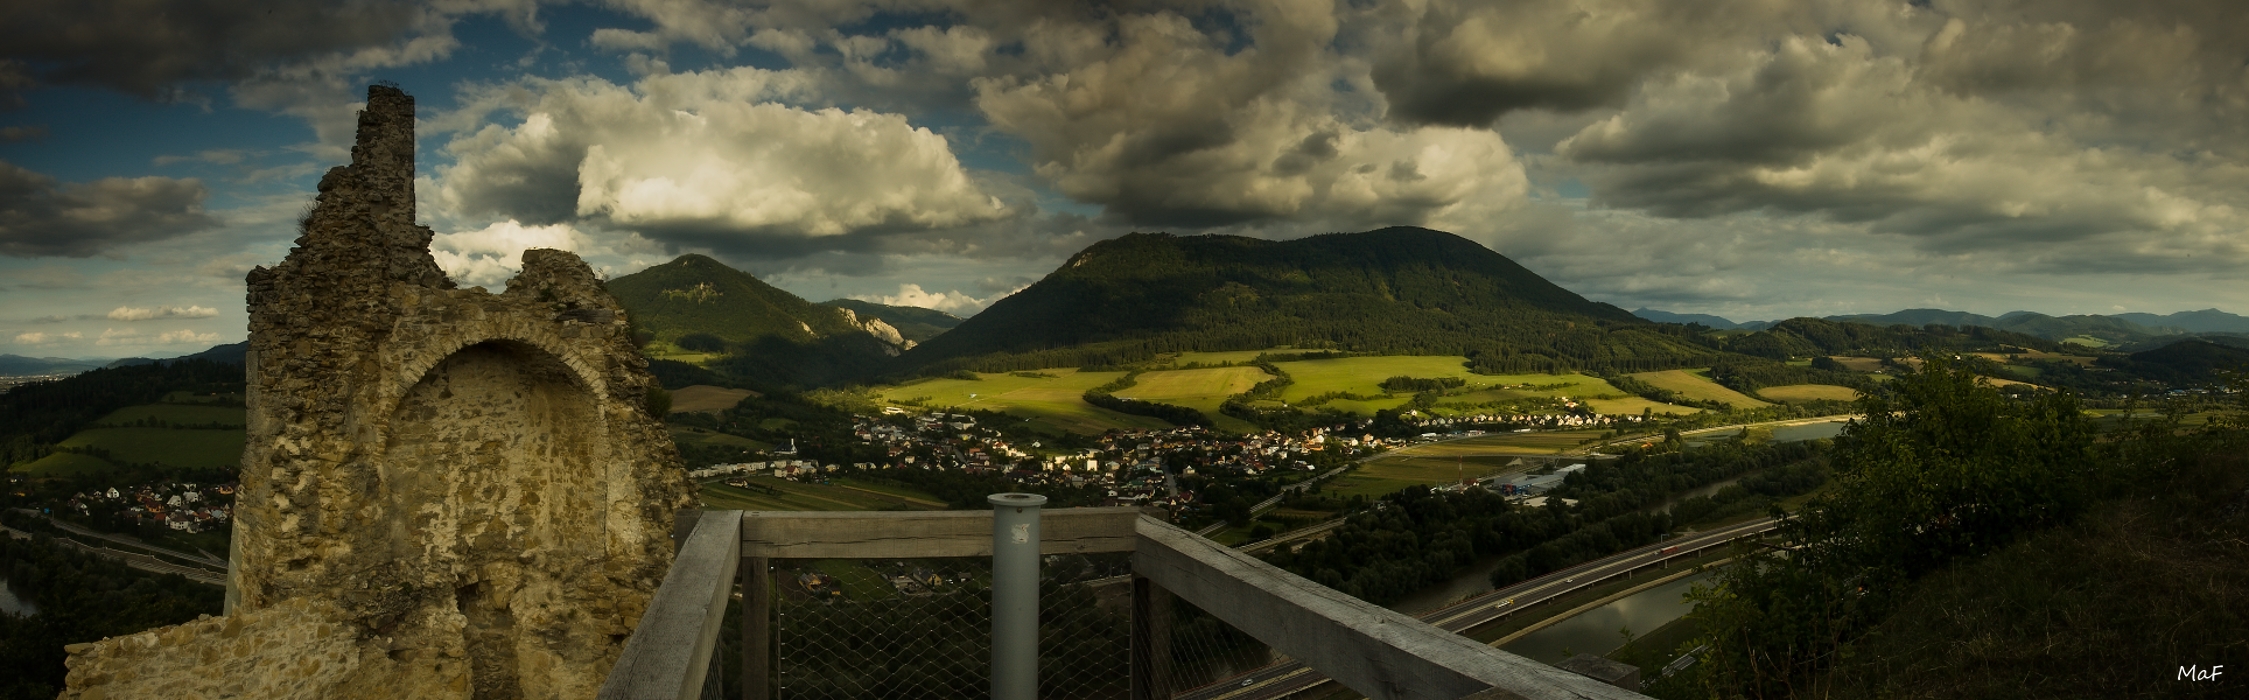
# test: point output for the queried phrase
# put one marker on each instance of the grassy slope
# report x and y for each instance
(1698, 387)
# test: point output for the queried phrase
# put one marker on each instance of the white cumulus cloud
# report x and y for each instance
(43, 338)
(953, 302)
(704, 158)
(186, 337)
(130, 313)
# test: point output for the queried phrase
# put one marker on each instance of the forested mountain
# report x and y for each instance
(2186, 362)
(2117, 329)
(769, 335)
(913, 322)
(1398, 290)
(1808, 337)
(2204, 321)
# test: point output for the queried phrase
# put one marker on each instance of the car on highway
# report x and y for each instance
(1504, 603)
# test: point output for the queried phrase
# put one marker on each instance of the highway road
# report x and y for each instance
(1286, 678)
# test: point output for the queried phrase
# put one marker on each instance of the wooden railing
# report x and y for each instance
(1375, 651)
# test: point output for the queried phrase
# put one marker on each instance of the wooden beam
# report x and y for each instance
(1151, 641)
(1375, 651)
(671, 648)
(757, 628)
(913, 535)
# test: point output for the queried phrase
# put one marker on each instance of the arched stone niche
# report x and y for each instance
(495, 474)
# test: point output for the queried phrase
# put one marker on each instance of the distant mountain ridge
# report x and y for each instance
(1396, 290)
(771, 336)
(1717, 322)
(2117, 329)
(21, 366)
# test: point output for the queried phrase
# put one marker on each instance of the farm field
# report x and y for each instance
(1697, 387)
(1364, 375)
(165, 446)
(1808, 392)
(704, 397)
(1221, 382)
(1633, 405)
(1200, 389)
(176, 415)
(1055, 402)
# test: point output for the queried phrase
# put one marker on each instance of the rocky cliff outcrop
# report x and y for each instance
(446, 492)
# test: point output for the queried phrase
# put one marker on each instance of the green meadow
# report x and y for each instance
(1696, 385)
(1055, 401)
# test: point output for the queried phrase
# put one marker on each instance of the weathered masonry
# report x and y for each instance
(446, 493)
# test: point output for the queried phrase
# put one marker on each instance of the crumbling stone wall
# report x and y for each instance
(461, 494)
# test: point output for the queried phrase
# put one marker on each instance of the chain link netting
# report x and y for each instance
(922, 628)
(1207, 654)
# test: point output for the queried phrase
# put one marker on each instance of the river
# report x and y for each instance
(1596, 631)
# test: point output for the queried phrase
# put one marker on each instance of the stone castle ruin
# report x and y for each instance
(447, 493)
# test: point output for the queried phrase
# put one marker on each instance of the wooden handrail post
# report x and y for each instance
(671, 650)
(1151, 640)
(757, 628)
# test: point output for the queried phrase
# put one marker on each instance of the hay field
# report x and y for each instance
(1697, 387)
(1808, 392)
(707, 398)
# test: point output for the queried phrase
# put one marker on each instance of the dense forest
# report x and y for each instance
(80, 598)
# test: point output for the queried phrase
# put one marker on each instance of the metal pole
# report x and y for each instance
(1015, 595)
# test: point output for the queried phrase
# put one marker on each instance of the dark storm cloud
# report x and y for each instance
(144, 47)
(1467, 64)
(40, 218)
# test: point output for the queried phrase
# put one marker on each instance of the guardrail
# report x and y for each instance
(1375, 651)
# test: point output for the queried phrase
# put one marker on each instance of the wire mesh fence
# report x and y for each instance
(921, 628)
(1208, 655)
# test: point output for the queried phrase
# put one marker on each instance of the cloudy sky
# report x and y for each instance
(1749, 158)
